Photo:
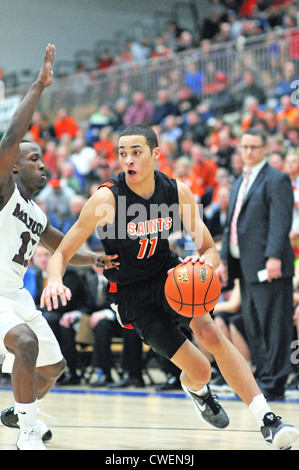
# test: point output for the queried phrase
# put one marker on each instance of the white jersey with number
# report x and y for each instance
(21, 225)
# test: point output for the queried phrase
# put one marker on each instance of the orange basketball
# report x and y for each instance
(192, 290)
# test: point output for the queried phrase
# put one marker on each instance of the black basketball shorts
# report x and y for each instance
(143, 306)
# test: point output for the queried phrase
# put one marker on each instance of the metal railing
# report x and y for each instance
(201, 69)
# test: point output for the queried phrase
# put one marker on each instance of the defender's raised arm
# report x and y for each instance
(20, 122)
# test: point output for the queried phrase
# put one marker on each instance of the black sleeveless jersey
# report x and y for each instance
(140, 231)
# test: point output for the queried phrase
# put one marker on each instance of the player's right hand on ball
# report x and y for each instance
(52, 292)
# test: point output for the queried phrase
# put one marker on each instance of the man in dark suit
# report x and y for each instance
(256, 249)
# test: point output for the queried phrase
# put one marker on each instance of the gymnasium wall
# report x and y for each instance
(26, 26)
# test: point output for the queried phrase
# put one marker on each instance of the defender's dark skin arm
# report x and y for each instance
(20, 122)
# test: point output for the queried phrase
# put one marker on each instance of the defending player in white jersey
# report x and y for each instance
(32, 353)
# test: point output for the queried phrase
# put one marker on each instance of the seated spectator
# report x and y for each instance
(106, 327)
(185, 42)
(270, 118)
(168, 155)
(171, 130)
(102, 172)
(40, 130)
(63, 153)
(212, 84)
(76, 205)
(186, 143)
(276, 159)
(185, 100)
(68, 178)
(63, 320)
(119, 111)
(284, 87)
(276, 143)
(225, 149)
(194, 127)
(51, 216)
(193, 77)
(216, 222)
(224, 34)
(292, 139)
(252, 113)
(65, 125)
(287, 110)
(139, 50)
(82, 159)
(223, 178)
(103, 117)
(140, 111)
(183, 173)
(79, 82)
(105, 60)
(283, 128)
(50, 157)
(237, 165)
(211, 23)
(250, 88)
(223, 100)
(205, 171)
(57, 200)
(163, 107)
(160, 47)
(105, 146)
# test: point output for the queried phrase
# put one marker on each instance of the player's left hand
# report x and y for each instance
(46, 73)
(52, 292)
(196, 258)
(107, 261)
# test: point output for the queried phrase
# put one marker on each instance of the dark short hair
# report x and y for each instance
(146, 131)
(256, 131)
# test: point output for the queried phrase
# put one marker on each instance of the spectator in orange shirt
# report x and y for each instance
(40, 131)
(252, 113)
(105, 146)
(204, 170)
(50, 157)
(65, 125)
(288, 111)
(183, 173)
(168, 154)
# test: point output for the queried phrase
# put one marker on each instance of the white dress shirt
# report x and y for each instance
(254, 171)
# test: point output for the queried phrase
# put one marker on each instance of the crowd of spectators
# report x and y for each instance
(199, 146)
(228, 20)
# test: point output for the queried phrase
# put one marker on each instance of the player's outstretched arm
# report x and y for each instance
(20, 122)
(51, 239)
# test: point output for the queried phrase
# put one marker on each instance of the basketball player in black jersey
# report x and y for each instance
(134, 213)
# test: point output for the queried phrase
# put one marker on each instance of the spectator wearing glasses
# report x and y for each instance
(256, 243)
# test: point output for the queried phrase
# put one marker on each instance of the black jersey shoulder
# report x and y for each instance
(118, 184)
